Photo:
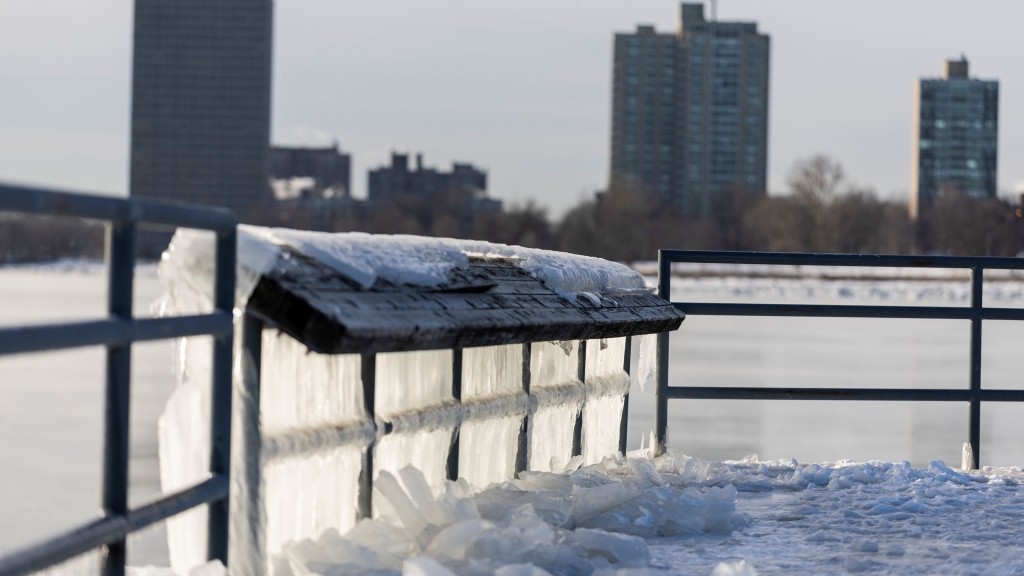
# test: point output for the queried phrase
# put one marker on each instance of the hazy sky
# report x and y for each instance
(520, 88)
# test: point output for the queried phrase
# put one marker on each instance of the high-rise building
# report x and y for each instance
(201, 102)
(956, 125)
(690, 110)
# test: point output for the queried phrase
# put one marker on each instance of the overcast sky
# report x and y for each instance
(521, 88)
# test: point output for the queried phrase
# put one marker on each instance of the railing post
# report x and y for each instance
(624, 420)
(453, 450)
(250, 541)
(974, 420)
(120, 256)
(581, 375)
(661, 394)
(523, 450)
(220, 399)
(369, 378)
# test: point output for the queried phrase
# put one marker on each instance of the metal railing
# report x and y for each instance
(973, 394)
(117, 333)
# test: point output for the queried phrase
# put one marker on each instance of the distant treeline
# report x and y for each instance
(823, 211)
(31, 238)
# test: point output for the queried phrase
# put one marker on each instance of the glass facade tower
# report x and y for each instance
(956, 125)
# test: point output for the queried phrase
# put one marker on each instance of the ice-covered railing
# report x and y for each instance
(364, 354)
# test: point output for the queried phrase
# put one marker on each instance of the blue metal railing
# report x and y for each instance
(973, 395)
(117, 333)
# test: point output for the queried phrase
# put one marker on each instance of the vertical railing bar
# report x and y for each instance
(624, 420)
(523, 450)
(661, 394)
(220, 403)
(974, 420)
(120, 256)
(369, 378)
(581, 375)
(251, 543)
(453, 449)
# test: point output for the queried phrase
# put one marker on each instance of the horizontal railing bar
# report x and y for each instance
(213, 218)
(830, 310)
(868, 394)
(1002, 313)
(22, 339)
(111, 529)
(59, 203)
(881, 394)
(854, 260)
(215, 324)
(64, 547)
(210, 490)
(845, 311)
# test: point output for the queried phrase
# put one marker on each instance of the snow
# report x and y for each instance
(544, 523)
(421, 261)
(677, 514)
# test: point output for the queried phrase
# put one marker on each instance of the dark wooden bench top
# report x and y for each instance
(492, 301)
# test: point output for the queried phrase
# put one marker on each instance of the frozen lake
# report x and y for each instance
(51, 409)
(839, 352)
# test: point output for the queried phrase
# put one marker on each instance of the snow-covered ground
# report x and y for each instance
(682, 515)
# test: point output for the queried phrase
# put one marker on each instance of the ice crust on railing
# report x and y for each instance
(419, 261)
(491, 371)
(646, 373)
(313, 421)
(557, 395)
(301, 389)
(488, 449)
(593, 519)
(409, 381)
(606, 384)
(309, 493)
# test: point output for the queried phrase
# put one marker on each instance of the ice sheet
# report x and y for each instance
(681, 515)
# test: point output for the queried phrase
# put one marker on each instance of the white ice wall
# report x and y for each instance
(407, 384)
(305, 394)
(492, 392)
(606, 384)
(408, 381)
(309, 493)
(302, 389)
(307, 398)
(557, 396)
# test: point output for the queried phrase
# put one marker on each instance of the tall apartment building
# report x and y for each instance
(690, 110)
(956, 125)
(201, 102)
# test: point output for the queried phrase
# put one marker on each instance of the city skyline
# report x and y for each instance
(459, 81)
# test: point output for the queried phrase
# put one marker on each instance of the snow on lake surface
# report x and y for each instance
(871, 517)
